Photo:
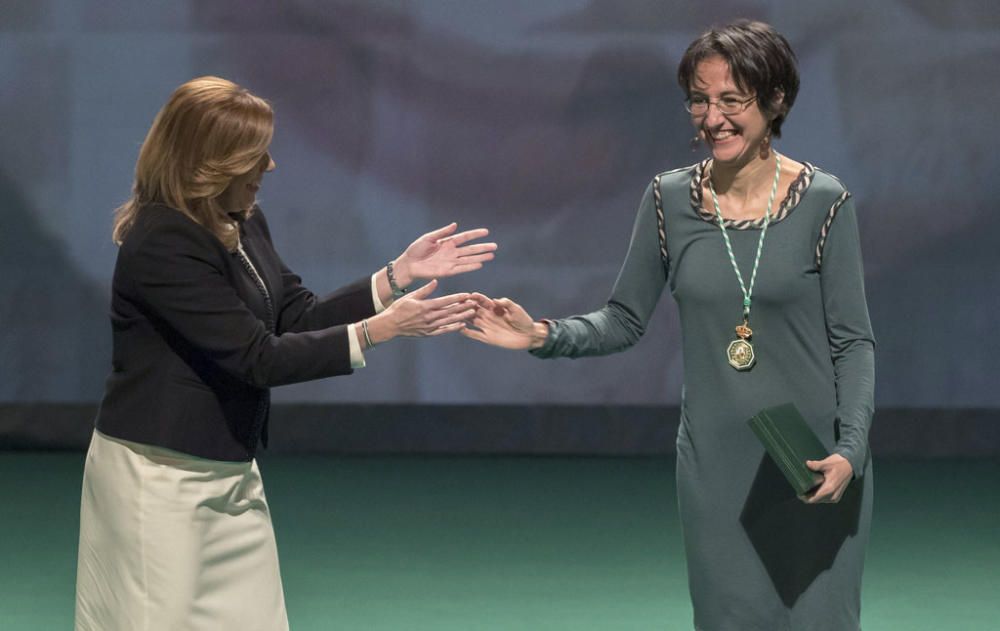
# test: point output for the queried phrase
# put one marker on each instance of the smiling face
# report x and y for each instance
(241, 194)
(735, 139)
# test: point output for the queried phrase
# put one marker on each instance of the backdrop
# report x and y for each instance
(541, 119)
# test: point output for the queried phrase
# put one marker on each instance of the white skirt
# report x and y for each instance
(171, 541)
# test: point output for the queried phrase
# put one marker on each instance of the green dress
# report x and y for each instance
(758, 558)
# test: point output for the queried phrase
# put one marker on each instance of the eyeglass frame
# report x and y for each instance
(743, 105)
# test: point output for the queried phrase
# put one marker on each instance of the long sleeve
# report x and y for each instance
(622, 321)
(850, 335)
(302, 310)
(176, 273)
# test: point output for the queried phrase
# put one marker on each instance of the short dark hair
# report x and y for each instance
(760, 60)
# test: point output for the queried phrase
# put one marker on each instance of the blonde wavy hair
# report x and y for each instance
(209, 132)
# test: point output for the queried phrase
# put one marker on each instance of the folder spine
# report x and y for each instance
(781, 452)
(792, 463)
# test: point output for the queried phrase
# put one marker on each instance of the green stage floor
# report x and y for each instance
(506, 544)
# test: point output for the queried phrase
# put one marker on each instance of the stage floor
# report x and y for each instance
(509, 544)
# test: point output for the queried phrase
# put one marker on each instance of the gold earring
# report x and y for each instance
(697, 140)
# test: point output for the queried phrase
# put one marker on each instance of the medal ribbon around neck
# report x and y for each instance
(740, 352)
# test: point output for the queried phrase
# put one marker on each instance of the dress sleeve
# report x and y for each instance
(849, 331)
(175, 276)
(622, 321)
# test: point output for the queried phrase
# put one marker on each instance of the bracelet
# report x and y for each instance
(396, 291)
(364, 331)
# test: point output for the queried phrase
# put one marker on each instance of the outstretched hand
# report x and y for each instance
(419, 315)
(443, 253)
(504, 323)
(837, 473)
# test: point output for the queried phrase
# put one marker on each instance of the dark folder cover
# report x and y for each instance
(790, 442)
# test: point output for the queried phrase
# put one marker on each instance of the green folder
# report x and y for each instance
(790, 442)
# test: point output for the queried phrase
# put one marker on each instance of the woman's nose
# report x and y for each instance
(713, 116)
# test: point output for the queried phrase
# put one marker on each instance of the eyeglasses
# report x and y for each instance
(728, 105)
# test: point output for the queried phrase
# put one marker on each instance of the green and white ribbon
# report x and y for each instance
(748, 293)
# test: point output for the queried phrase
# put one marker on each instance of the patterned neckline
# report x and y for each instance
(795, 191)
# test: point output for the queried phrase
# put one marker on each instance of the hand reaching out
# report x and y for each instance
(504, 323)
(443, 253)
(419, 315)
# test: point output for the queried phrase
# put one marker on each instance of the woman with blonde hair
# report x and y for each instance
(175, 530)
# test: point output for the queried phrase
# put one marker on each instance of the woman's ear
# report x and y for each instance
(778, 103)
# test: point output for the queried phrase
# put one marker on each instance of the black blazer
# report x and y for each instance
(195, 348)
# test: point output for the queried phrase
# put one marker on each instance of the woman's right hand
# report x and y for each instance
(504, 323)
(418, 315)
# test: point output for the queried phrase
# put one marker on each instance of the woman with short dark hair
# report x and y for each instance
(755, 239)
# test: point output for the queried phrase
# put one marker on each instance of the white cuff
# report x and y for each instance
(357, 357)
(379, 307)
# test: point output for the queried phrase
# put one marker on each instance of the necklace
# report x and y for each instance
(740, 353)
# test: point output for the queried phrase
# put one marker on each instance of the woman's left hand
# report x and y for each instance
(443, 253)
(837, 474)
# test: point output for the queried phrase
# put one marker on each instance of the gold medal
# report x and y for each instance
(740, 351)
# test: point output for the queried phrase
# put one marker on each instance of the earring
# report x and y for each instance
(694, 142)
(765, 145)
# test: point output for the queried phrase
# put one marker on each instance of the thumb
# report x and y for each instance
(424, 291)
(814, 465)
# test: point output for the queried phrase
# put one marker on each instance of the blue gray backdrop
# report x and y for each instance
(542, 120)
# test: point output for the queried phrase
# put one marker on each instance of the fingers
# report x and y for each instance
(836, 477)
(812, 498)
(477, 248)
(473, 334)
(494, 319)
(464, 306)
(444, 301)
(816, 496)
(469, 235)
(821, 498)
(452, 318)
(826, 493)
(474, 258)
(506, 307)
(458, 326)
(461, 269)
(447, 310)
(488, 322)
(484, 301)
(460, 261)
(441, 232)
